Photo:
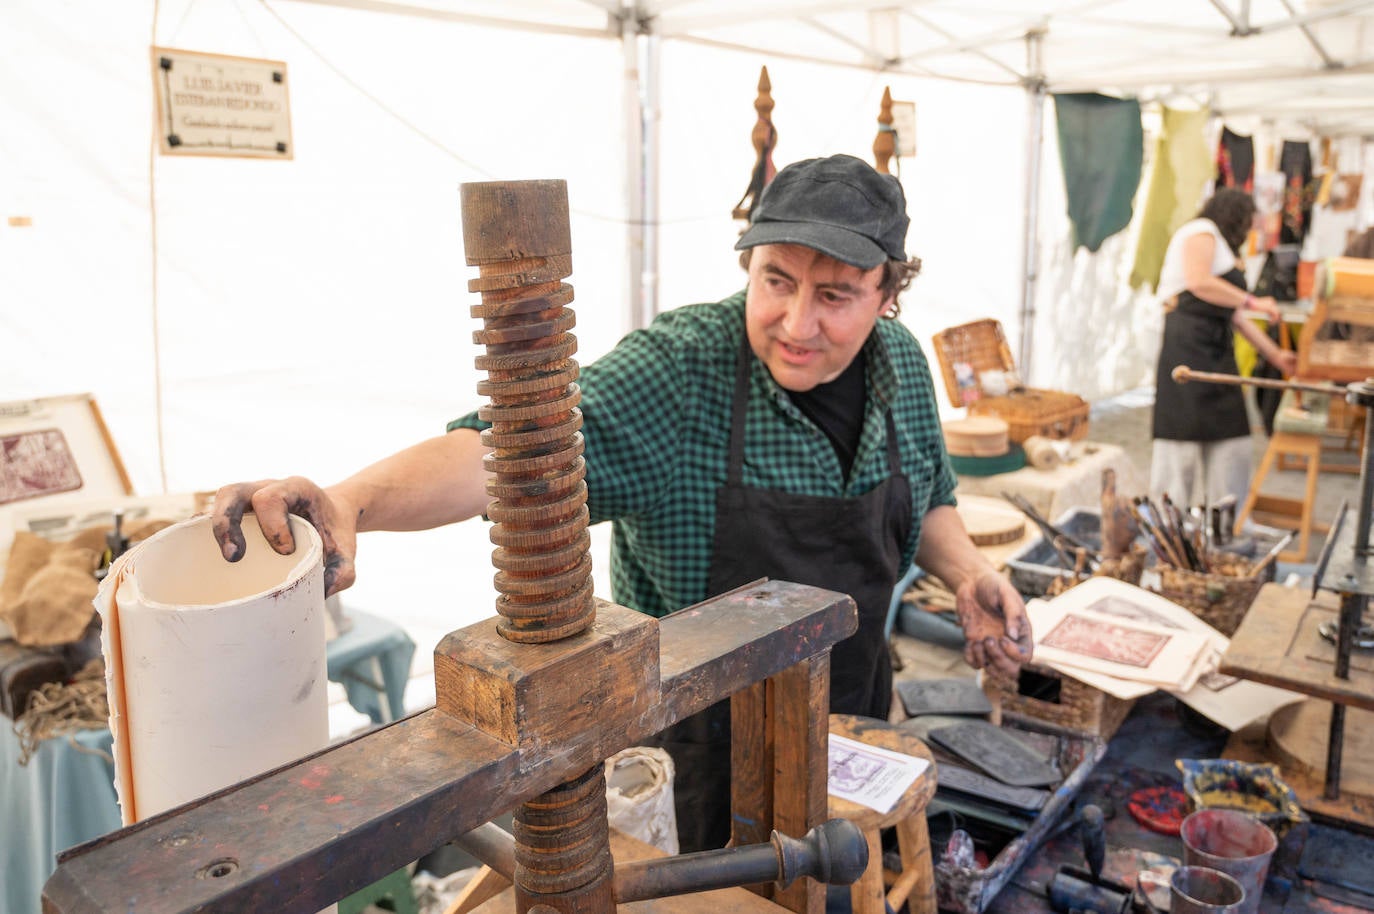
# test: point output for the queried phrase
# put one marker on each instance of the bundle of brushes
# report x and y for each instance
(1174, 538)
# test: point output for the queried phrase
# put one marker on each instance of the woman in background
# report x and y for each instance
(1202, 449)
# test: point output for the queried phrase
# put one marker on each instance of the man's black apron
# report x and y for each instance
(1199, 334)
(852, 545)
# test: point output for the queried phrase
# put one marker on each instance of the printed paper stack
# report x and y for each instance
(1128, 642)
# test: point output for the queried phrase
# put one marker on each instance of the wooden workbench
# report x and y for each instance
(1278, 644)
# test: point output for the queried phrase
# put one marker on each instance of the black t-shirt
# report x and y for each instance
(837, 408)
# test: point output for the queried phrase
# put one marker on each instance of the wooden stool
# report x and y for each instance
(1297, 433)
(915, 885)
(1286, 512)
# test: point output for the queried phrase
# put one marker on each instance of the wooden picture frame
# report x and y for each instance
(217, 105)
(53, 450)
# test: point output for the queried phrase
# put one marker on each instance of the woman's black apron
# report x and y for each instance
(1199, 335)
(852, 545)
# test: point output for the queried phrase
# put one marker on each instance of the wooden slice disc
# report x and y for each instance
(990, 521)
(976, 436)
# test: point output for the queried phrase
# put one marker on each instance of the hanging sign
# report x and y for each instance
(904, 123)
(213, 105)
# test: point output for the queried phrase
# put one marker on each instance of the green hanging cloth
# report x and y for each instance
(1182, 167)
(1101, 145)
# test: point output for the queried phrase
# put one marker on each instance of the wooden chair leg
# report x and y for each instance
(1309, 499)
(916, 886)
(1266, 464)
(486, 884)
(867, 895)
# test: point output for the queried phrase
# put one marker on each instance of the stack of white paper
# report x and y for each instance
(1129, 642)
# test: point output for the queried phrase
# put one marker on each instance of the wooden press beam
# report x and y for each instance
(305, 835)
(530, 702)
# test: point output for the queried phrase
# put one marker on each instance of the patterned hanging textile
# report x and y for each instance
(1235, 161)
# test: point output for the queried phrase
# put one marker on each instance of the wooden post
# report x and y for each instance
(779, 742)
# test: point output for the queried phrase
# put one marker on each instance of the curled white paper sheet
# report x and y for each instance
(216, 671)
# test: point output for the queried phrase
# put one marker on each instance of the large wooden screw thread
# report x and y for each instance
(516, 233)
(562, 849)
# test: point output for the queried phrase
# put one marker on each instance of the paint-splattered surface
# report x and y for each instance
(1324, 870)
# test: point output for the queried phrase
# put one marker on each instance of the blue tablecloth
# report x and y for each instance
(65, 795)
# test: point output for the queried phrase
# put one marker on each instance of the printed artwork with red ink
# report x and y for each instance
(36, 463)
(1106, 641)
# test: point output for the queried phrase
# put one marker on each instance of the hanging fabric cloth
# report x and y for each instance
(1101, 146)
(1235, 161)
(1182, 167)
(1295, 161)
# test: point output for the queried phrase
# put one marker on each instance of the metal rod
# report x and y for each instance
(1352, 612)
(1362, 394)
(1030, 259)
(833, 852)
(1330, 62)
(1334, 743)
(1239, 27)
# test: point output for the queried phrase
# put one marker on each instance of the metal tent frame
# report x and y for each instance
(1307, 68)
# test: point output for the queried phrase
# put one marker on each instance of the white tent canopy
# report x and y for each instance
(1287, 61)
(240, 319)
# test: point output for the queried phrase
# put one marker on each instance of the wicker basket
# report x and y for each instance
(1126, 568)
(1029, 412)
(967, 351)
(1045, 695)
(1220, 597)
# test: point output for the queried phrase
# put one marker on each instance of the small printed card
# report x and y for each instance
(871, 776)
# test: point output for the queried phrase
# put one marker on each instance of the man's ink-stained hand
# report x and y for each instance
(997, 633)
(272, 500)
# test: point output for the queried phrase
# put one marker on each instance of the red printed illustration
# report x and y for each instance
(37, 463)
(1105, 641)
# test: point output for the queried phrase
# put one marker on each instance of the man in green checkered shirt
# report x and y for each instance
(789, 431)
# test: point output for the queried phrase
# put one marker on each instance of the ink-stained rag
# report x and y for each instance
(1182, 167)
(1101, 146)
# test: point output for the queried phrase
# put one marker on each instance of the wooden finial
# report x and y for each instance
(764, 138)
(885, 143)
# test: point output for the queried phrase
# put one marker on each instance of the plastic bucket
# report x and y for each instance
(1233, 842)
(1201, 890)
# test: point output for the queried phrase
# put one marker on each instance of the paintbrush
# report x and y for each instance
(1200, 549)
(1156, 539)
(1269, 556)
(1171, 529)
(1190, 533)
(1048, 530)
(1150, 514)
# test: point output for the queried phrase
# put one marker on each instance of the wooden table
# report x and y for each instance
(1070, 485)
(1278, 644)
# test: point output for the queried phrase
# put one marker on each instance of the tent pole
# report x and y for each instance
(640, 50)
(650, 46)
(1030, 267)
